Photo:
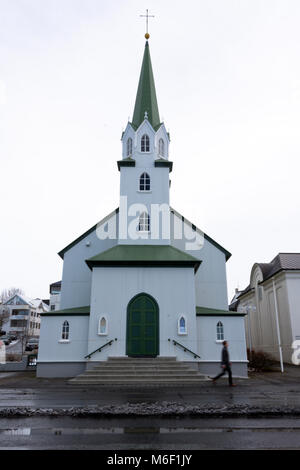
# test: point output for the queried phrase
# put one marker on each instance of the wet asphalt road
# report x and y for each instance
(149, 433)
(152, 433)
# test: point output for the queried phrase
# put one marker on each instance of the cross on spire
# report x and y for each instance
(147, 16)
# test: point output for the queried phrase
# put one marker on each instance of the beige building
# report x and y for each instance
(272, 304)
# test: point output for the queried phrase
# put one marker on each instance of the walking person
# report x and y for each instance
(226, 365)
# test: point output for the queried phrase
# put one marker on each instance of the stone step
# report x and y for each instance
(139, 359)
(153, 367)
(136, 376)
(145, 380)
(127, 370)
(135, 373)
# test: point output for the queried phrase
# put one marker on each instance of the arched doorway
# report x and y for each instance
(142, 335)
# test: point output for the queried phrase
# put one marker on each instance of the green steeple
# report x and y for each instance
(146, 95)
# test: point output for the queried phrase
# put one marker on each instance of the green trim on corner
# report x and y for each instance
(162, 163)
(207, 312)
(77, 311)
(85, 234)
(126, 162)
(209, 239)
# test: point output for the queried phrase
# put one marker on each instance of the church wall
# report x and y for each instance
(172, 288)
(77, 277)
(210, 349)
(53, 349)
(210, 280)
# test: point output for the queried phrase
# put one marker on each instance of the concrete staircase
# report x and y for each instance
(134, 371)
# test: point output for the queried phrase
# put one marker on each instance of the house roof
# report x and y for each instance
(35, 303)
(143, 255)
(205, 311)
(146, 100)
(281, 262)
(55, 284)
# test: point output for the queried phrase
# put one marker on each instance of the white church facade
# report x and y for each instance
(144, 282)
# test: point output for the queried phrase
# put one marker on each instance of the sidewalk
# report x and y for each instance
(273, 393)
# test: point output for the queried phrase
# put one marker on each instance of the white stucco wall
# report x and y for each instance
(173, 290)
(77, 277)
(211, 281)
(50, 346)
(234, 333)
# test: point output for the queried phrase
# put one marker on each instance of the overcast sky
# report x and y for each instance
(227, 76)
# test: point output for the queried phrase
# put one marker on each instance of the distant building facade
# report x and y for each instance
(55, 289)
(23, 315)
(272, 304)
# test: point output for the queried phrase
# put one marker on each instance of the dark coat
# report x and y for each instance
(225, 357)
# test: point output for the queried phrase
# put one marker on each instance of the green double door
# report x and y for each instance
(142, 337)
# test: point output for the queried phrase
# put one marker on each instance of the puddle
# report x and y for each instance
(16, 432)
(134, 430)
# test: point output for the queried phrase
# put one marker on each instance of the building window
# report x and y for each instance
(220, 331)
(129, 147)
(52, 307)
(145, 182)
(161, 147)
(145, 143)
(182, 330)
(65, 331)
(102, 327)
(144, 222)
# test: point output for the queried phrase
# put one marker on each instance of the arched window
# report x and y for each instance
(182, 330)
(145, 182)
(102, 327)
(145, 143)
(129, 147)
(220, 331)
(144, 222)
(65, 330)
(161, 147)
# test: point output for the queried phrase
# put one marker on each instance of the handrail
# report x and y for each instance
(101, 347)
(184, 348)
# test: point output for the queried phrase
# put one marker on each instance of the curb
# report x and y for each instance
(165, 409)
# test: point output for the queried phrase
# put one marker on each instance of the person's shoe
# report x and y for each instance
(213, 380)
(232, 385)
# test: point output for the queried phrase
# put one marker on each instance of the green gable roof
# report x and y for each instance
(146, 95)
(144, 255)
(80, 311)
(205, 311)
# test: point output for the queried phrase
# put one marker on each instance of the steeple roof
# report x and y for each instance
(146, 96)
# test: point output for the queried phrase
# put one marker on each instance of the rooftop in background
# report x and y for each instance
(55, 287)
(281, 262)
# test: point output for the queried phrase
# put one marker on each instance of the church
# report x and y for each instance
(143, 284)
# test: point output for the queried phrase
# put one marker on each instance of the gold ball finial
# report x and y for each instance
(147, 35)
